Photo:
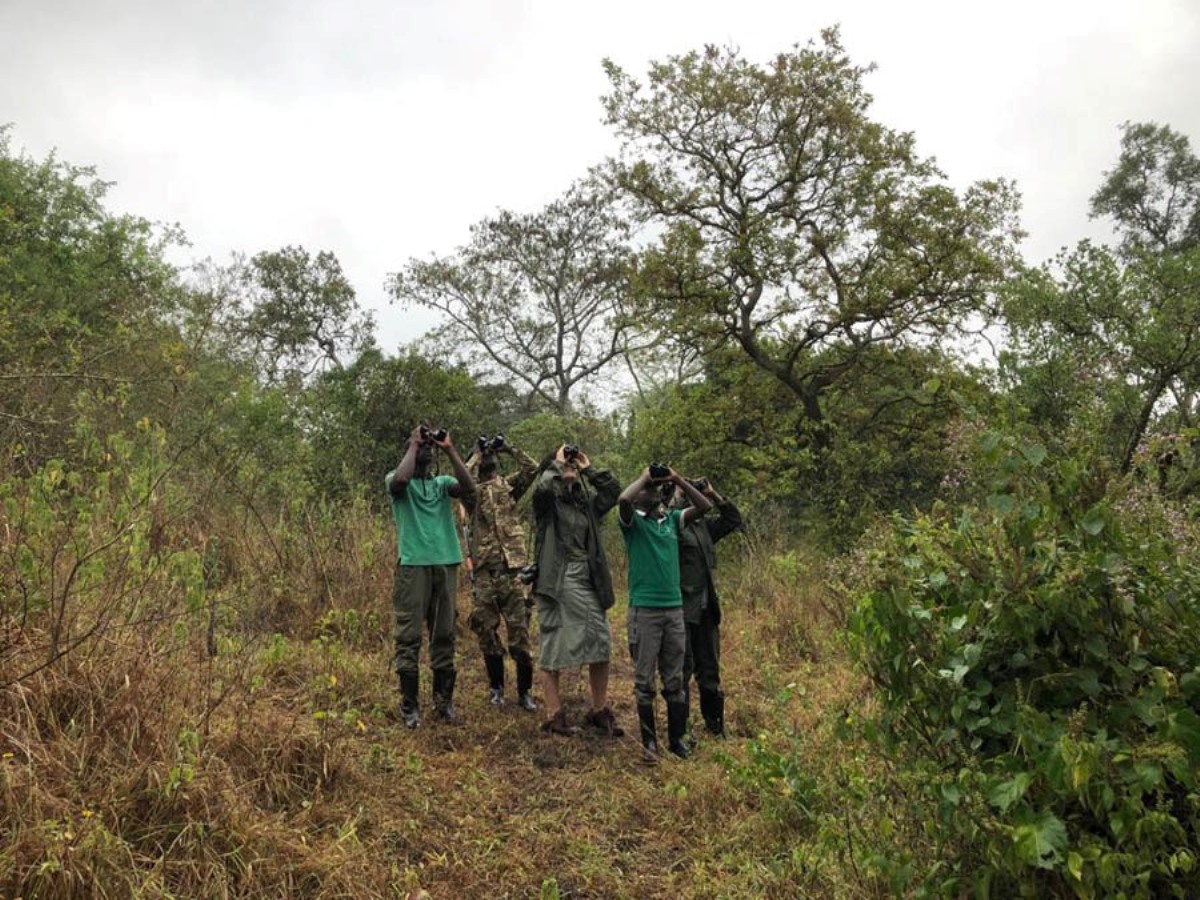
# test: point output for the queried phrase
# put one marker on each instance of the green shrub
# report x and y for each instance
(1045, 647)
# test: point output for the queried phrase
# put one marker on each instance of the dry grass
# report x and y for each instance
(140, 766)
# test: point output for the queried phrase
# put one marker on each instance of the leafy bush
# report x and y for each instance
(1045, 646)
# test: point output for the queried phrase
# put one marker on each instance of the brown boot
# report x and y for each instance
(557, 724)
(605, 722)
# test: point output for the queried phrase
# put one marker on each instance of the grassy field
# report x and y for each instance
(142, 765)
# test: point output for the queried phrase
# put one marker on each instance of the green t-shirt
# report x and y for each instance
(425, 533)
(653, 547)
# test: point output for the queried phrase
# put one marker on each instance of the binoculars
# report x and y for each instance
(659, 470)
(570, 452)
(700, 484)
(489, 444)
(433, 434)
(529, 574)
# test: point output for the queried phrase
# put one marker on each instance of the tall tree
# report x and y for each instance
(1153, 193)
(793, 226)
(303, 314)
(536, 299)
(1128, 321)
(288, 313)
(86, 299)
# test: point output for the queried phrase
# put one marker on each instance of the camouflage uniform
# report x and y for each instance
(496, 540)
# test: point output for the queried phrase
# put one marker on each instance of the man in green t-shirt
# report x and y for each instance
(657, 638)
(426, 568)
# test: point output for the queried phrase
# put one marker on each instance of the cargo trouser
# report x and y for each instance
(498, 597)
(423, 598)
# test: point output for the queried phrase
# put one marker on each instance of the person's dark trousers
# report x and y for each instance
(712, 708)
(703, 661)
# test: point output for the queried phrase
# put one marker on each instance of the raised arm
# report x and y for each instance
(548, 472)
(520, 481)
(465, 489)
(630, 494)
(728, 520)
(602, 481)
(403, 472)
(700, 503)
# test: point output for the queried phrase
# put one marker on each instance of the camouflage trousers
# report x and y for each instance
(497, 597)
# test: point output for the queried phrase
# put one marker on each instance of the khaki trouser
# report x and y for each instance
(423, 598)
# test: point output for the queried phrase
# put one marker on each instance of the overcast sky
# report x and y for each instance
(383, 130)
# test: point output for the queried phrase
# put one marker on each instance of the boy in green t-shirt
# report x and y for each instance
(657, 639)
(426, 568)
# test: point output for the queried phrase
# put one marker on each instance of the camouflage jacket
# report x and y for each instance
(495, 531)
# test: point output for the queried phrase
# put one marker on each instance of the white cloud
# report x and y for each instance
(383, 130)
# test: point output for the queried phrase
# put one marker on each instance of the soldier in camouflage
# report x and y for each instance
(496, 541)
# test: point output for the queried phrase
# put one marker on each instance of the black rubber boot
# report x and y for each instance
(677, 728)
(443, 696)
(525, 681)
(410, 710)
(495, 673)
(649, 732)
(712, 707)
(688, 738)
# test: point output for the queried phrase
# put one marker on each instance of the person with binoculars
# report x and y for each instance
(701, 605)
(496, 542)
(657, 636)
(426, 579)
(572, 583)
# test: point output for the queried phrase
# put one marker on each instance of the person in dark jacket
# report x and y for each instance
(573, 585)
(701, 604)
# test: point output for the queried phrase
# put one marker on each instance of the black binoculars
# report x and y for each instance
(433, 434)
(489, 444)
(700, 484)
(659, 470)
(570, 451)
(529, 574)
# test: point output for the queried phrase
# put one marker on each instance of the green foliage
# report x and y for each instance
(359, 418)
(81, 290)
(781, 775)
(887, 427)
(1153, 193)
(1105, 349)
(1047, 643)
(303, 314)
(794, 228)
(1109, 351)
(87, 549)
(542, 433)
(537, 299)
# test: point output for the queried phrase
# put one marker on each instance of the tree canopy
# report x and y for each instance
(538, 299)
(791, 224)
